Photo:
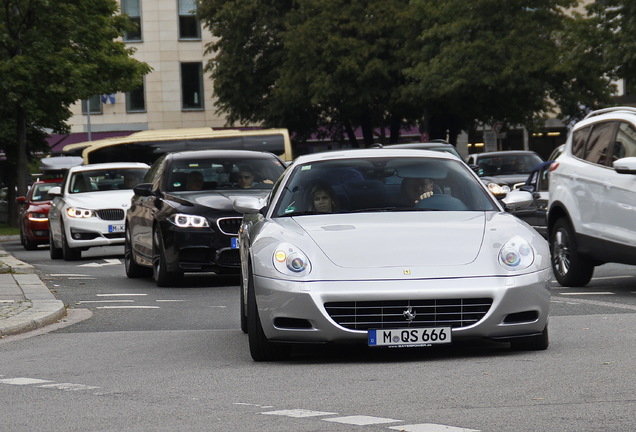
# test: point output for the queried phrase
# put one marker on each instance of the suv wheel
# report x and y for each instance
(569, 266)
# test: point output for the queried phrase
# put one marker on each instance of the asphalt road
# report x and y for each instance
(135, 357)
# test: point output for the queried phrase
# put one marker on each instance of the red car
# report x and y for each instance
(33, 217)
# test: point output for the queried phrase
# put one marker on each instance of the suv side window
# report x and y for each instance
(625, 144)
(578, 141)
(598, 144)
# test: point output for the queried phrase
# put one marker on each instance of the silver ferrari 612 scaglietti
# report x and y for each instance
(390, 248)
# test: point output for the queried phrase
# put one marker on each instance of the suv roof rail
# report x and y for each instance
(611, 109)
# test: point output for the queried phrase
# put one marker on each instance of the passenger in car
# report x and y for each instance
(194, 181)
(323, 198)
(416, 189)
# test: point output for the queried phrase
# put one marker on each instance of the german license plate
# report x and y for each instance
(409, 337)
(116, 228)
(235, 243)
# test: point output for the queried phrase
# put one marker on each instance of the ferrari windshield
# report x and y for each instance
(382, 184)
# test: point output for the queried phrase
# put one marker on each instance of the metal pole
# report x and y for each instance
(88, 118)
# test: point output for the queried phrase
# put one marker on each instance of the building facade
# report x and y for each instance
(175, 94)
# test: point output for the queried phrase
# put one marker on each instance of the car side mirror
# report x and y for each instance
(625, 165)
(20, 200)
(517, 199)
(248, 205)
(55, 191)
(143, 189)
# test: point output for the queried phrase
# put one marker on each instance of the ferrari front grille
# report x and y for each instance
(390, 314)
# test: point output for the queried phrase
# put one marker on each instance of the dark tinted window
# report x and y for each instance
(578, 141)
(598, 144)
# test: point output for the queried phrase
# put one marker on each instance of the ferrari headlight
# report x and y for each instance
(79, 212)
(290, 260)
(188, 221)
(497, 189)
(516, 254)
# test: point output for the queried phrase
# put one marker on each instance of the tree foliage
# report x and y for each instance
(53, 53)
(335, 65)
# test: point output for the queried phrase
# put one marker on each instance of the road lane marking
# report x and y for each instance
(23, 381)
(172, 300)
(430, 427)
(586, 293)
(298, 413)
(602, 303)
(120, 295)
(68, 386)
(128, 307)
(105, 301)
(361, 420)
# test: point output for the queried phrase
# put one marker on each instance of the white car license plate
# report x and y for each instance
(410, 337)
(116, 228)
(235, 243)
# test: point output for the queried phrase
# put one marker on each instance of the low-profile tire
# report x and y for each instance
(538, 342)
(570, 268)
(160, 273)
(54, 252)
(28, 244)
(261, 348)
(133, 270)
(69, 253)
(242, 308)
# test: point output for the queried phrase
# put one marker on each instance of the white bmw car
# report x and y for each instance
(89, 209)
(399, 248)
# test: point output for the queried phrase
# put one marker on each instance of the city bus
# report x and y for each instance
(146, 146)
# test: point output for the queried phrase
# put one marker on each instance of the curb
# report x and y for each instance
(45, 308)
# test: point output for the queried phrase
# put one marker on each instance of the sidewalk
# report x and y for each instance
(25, 302)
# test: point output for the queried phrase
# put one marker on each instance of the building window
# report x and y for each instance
(189, 27)
(192, 85)
(95, 104)
(136, 100)
(132, 8)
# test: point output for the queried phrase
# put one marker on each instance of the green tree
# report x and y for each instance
(334, 65)
(53, 53)
(612, 26)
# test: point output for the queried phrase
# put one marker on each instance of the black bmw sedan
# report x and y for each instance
(181, 217)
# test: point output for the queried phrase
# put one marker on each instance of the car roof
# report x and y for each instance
(504, 153)
(373, 153)
(190, 154)
(109, 165)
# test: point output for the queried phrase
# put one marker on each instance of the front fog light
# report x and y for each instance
(290, 260)
(516, 254)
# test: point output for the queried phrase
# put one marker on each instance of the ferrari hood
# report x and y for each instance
(397, 239)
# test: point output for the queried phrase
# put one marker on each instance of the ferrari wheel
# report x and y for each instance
(261, 348)
(532, 343)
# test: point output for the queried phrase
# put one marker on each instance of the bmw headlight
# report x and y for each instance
(290, 260)
(188, 221)
(79, 212)
(516, 254)
(498, 189)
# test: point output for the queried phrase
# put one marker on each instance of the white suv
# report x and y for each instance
(592, 204)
